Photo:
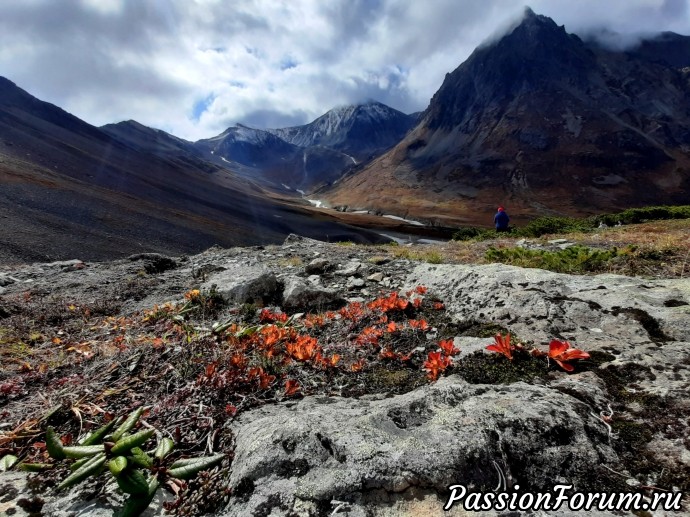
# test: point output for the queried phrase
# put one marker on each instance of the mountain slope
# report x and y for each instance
(544, 123)
(262, 156)
(315, 154)
(359, 130)
(668, 47)
(68, 188)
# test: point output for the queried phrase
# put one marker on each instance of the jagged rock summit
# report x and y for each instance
(359, 129)
(545, 122)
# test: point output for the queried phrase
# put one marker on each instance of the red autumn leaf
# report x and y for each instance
(266, 316)
(369, 336)
(392, 327)
(265, 380)
(304, 348)
(420, 289)
(435, 364)
(387, 353)
(358, 365)
(313, 320)
(561, 352)
(419, 324)
(438, 306)
(239, 361)
(417, 303)
(291, 387)
(448, 348)
(390, 303)
(502, 346)
(230, 410)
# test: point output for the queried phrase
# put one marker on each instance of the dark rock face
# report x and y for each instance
(535, 117)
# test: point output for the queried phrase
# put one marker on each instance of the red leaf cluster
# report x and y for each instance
(266, 316)
(436, 364)
(561, 352)
(502, 346)
(448, 348)
(392, 302)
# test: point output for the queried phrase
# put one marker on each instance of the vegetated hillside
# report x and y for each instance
(544, 123)
(68, 188)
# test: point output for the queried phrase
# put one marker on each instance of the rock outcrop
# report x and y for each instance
(619, 421)
(380, 455)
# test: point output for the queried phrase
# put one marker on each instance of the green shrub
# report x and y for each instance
(576, 259)
(553, 225)
(649, 213)
(544, 225)
(471, 232)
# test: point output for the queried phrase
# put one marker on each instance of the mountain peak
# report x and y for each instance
(533, 24)
(528, 13)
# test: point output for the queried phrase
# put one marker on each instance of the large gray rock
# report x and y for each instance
(245, 284)
(6, 280)
(603, 311)
(299, 294)
(378, 454)
(317, 266)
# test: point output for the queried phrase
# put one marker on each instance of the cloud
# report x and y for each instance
(194, 67)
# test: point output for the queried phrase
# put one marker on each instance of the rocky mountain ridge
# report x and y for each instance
(371, 444)
(543, 122)
(125, 188)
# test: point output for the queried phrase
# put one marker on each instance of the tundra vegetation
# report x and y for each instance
(183, 371)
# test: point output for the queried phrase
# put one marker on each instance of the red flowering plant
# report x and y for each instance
(561, 352)
(436, 364)
(502, 346)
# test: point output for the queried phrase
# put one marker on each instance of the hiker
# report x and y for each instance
(501, 219)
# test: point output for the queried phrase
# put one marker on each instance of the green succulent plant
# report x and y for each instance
(136, 472)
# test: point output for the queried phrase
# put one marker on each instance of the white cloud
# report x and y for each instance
(263, 62)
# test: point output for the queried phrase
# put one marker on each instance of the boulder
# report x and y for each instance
(245, 284)
(610, 312)
(317, 266)
(299, 294)
(371, 455)
(6, 280)
(352, 268)
(376, 277)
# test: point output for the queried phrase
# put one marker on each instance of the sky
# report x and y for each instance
(195, 67)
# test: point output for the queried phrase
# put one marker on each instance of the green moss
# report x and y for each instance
(619, 380)
(482, 368)
(393, 379)
(482, 329)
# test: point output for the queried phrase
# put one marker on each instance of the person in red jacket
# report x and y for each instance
(501, 220)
